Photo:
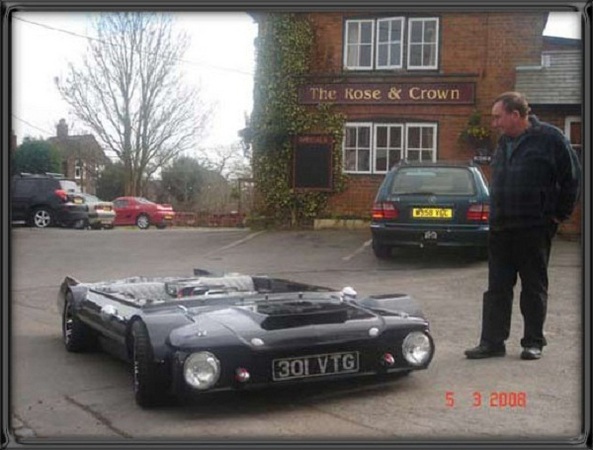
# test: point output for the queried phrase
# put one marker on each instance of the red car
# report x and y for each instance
(142, 213)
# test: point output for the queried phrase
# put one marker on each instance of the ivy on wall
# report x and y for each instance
(284, 48)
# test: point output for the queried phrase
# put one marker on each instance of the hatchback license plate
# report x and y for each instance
(314, 366)
(432, 213)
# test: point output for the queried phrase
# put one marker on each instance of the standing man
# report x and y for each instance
(534, 186)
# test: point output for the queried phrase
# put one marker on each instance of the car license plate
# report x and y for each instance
(432, 213)
(77, 200)
(314, 366)
(168, 217)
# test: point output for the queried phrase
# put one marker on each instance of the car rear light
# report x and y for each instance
(384, 211)
(479, 212)
(61, 194)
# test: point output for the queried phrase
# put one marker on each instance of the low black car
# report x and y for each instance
(208, 332)
(44, 200)
(432, 204)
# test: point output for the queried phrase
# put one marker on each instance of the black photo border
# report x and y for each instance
(7, 8)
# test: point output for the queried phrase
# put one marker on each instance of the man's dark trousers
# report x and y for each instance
(524, 252)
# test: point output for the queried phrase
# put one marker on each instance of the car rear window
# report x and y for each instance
(433, 180)
(69, 186)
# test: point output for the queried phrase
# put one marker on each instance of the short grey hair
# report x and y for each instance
(513, 101)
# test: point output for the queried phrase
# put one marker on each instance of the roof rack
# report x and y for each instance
(46, 174)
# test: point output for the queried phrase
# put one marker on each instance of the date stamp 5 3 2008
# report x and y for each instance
(494, 399)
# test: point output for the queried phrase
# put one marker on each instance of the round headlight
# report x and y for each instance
(417, 348)
(201, 370)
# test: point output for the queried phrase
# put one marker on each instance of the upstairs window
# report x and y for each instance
(78, 169)
(380, 44)
(359, 44)
(422, 43)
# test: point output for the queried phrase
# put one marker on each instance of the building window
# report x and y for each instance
(78, 169)
(379, 44)
(359, 44)
(423, 43)
(357, 148)
(390, 37)
(376, 148)
(572, 130)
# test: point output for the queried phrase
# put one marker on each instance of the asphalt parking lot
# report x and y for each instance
(56, 395)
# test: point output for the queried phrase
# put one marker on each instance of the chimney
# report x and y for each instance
(62, 129)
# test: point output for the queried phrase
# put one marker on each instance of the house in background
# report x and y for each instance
(82, 157)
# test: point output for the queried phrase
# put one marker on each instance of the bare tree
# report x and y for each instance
(128, 90)
(228, 160)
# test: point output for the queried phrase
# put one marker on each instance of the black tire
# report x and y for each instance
(381, 251)
(42, 217)
(149, 378)
(143, 222)
(77, 336)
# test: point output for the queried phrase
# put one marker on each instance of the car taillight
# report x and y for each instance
(384, 211)
(61, 194)
(479, 212)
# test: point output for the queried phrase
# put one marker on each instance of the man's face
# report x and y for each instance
(505, 122)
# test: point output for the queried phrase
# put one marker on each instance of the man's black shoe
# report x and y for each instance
(483, 351)
(531, 353)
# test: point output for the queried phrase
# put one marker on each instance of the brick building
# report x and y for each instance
(408, 84)
(82, 156)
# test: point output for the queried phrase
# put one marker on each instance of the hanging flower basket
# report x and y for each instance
(476, 136)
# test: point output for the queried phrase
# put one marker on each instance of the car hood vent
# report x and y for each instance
(296, 314)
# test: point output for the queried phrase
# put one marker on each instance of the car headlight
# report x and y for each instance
(417, 348)
(201, 370)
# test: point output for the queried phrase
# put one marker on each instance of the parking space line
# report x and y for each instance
(239, 242)
(357, 251)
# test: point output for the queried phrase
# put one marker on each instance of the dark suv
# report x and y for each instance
(47, 200)
(431, 204)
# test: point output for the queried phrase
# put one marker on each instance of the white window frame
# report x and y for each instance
(390, 147)
(406, 127)
(433, 144)
(423, 43)
(358, 125)
(78, 167)
(392, 39)
(348, 45)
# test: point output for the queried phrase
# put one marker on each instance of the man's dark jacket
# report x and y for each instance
(538, 181)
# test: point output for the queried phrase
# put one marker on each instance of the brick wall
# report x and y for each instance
(483, 48)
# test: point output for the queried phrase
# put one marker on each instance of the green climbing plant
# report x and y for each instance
(283, 51)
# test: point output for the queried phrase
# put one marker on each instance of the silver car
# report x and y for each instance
(101, 213)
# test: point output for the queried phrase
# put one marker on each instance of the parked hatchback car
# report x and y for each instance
(431, 204)
(142, 212)
(44, 200)
(101, 212)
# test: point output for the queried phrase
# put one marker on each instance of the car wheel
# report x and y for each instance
(149, 380)
(77, 336)
(381, 251)
(142, 222)
(161, 226)
(42, 217)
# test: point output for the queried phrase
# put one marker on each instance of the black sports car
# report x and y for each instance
(231, 331)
